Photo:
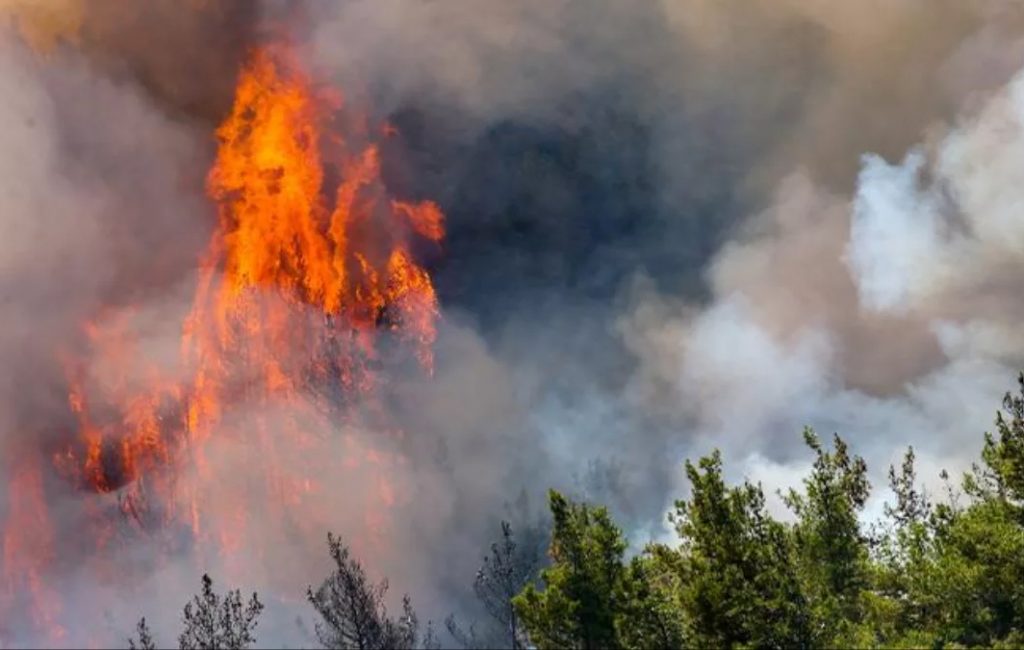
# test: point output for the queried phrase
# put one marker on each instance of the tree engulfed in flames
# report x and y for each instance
(307, 286)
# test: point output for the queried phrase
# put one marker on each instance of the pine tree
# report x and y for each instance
(145, 637)
(352, 609)
(740, 580)
(216, 623)
(833, 550)
(652, 615)
(1003, 455)
(583, 587)
(503, 574)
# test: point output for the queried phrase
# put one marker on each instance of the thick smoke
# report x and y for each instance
(650, 211)
(671, 226)
(884, 313)
(102, 208)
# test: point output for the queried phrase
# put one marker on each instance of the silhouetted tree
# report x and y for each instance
(145, 637)
(216, 623)
(503, 574)
(211, 622)
(912, 506)
(353, 613)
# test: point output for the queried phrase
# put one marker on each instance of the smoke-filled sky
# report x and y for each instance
(671, 226)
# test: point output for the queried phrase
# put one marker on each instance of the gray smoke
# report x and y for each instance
(672, 226)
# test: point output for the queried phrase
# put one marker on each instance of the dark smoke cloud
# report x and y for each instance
(663, 237)
(650, 220)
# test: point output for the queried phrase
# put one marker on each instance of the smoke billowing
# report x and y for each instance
(671, 226)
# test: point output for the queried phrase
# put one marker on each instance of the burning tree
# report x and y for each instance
(308, 283)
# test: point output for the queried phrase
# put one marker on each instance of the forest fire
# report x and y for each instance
(308, 289)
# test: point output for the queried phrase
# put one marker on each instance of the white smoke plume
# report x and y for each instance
(805, 213)
(887, 316)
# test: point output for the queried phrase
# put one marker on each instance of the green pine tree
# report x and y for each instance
(833, 550)
(740, 581)
(583, 587)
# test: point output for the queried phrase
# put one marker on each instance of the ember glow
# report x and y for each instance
(308, 292)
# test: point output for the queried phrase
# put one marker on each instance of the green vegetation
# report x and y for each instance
(930, 575)
(943, 574)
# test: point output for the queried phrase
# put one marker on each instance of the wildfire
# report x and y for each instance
(306, 287)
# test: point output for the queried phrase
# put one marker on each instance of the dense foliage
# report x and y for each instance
(942, 574)
(945, 574)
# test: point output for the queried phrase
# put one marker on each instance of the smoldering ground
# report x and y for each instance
(663, 236)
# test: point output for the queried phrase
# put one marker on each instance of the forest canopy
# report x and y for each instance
(939, 571)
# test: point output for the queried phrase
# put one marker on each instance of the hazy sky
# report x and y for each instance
(672, 226)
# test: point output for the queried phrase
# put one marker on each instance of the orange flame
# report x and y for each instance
(299, 282)
(28, 550)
